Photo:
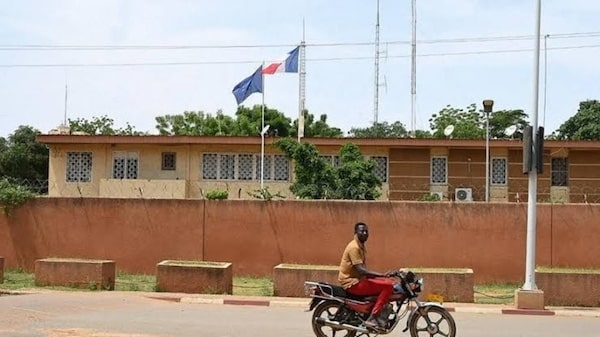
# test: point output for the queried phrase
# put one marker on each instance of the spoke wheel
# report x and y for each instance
(432, 321)
(327, 310)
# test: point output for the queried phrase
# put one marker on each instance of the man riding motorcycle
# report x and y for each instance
(356, 279)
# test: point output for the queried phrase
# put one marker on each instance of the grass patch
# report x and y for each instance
(496, 293)
(251, 286)
(17, 279)
(135, 282)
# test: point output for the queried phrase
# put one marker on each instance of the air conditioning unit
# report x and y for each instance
(463, 194)
(439, 194)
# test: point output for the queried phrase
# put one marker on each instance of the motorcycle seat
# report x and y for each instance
(338, 291)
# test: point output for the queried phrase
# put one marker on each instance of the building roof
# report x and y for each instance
(247, 140)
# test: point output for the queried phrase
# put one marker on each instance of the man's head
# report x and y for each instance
(362, 231)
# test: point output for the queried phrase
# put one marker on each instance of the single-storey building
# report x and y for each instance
(190, 166)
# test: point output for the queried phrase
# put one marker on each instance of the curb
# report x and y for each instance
(451, 307)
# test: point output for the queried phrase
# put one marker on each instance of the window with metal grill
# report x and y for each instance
(560, 172)
(79, 167)
(232, 166)
(168, 161)
(125, 165)
(439, 170)
(499, 167)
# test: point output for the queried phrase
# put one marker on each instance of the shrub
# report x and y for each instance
(265, 194)
(217, 195)
(12, 195)
(430, 197)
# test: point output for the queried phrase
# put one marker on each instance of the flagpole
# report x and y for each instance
(302, 83)
(262, 130)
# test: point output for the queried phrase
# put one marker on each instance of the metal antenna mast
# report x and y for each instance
(413, 73)
(376, 99)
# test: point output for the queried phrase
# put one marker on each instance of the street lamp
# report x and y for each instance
(262, 154)
(488, 104)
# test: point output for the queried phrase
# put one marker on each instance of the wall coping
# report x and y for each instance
(306, 266)
(74, 260)
(442, 270)
(573, 271)
(189, 263)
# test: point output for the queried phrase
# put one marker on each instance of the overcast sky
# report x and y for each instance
(136, 85)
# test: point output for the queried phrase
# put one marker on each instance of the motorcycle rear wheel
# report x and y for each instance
(434, 321)
(327, 310)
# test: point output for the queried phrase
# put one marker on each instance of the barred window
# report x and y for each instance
(267, 168)
(336, 161)
(381, 168)
(560, 173)
(79, 166)
(168, 161)
(125, 165)
(282, 168)
(245, 166)
(439, 170)
(499, 167)
(209, 166)
(227, 166)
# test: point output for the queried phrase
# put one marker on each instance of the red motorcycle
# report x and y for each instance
(337, 313)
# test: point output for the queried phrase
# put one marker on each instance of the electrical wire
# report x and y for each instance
(325, 59)
(49, 47)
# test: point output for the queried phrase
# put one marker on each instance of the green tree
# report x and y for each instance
(192, 123)
(380, 130)
(423, 134)
(500, 120)
(3, 144)
(316, 178)
(355, 175)
(249, 122)
(22, 157)
(584, 125)
(316, 128)
(467, 122)
(102, 125)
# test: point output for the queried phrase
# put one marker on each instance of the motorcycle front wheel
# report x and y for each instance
(327, 311)
(432, 321)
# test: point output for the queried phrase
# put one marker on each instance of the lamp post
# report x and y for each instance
(488, 104)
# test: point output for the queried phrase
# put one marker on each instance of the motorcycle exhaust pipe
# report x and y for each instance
(337, 325)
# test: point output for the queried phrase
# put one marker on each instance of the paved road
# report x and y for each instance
(115, 314)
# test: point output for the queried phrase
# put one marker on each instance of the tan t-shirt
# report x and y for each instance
(355, 253)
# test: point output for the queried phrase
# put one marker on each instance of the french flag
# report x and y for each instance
(289, 65)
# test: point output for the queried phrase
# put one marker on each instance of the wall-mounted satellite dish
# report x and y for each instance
(509, 131)
(448, 130)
